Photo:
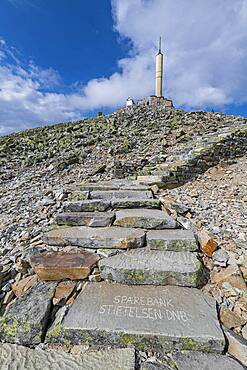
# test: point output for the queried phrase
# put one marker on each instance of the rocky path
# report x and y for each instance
(118, 272)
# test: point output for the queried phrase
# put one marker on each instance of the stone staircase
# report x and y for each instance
(144, 292)
(192, 158)
(144, 297)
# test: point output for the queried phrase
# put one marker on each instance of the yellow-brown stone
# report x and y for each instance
(63, 291)
(60, 265)
(207, 243)
(230, 319)
(23, 285)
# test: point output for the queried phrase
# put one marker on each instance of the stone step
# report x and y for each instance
(100, 237)
(150, 180)
(99, 205)
(145, 218)
(143, 266)
(13, 357)
(121, 194)
(150, 318)
(60, 266)
(172, 240)
(136, 203)
(92, 219)
(114, 185)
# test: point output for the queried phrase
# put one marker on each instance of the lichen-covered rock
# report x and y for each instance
(135, 203)
(92, 219)
(92, 205)
(92, 237)
(172, 240)
(121, 194)
(143, 266)
(145, 218)
(116, 184)
(26, 320)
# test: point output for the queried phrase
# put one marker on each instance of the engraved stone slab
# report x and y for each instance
(23, 358)
(25, 321)
(143, 266)
(86, 206)
(172, 240)
(204, 361)
(145, 218)
(92, 219)
(120, 194)
(116, 184)
(150, 318)
(100, 237)
(59, 265)
(135, 203)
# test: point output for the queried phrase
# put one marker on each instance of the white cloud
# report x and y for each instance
(205, 44)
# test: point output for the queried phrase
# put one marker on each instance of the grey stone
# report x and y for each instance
(135, 203)
(152, 180)
(148, 365)
(86, 206)
(100, 237)
(92, 219)
(180, 208)
(143, 266)
(204, 361)
(220, 257)
(14, 357)
(244, 332)
(47, 201)
(237, 346)
(27, 318)
(120, 194)
(145, 218)
(77, 195)
(150, 318)
(172, 240)
(114, 185)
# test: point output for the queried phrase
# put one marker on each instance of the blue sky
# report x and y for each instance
(63, 60)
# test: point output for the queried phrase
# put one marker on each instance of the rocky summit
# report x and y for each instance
(123, 243)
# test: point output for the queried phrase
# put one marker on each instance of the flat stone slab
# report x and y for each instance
(86, 206)
(150, 318)
(59, 265)
(172, 240)
(151, 180)
(23, 358)
(145, 218)
(100, 237)
(114, 185)
(143, 266)
(92, 219)
(135, 203)
(204, 361)
(121, 194)
(25, 321)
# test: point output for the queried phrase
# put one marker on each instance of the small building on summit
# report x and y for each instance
(129, 103)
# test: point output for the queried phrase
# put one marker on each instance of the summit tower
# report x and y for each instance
(159, 72)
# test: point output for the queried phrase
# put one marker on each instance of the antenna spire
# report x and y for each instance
(160, 45)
